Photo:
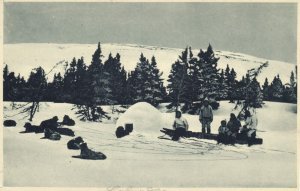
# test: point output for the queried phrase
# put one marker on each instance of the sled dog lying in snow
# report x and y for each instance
(9, 123)
(68, 121)
(50, 123)
(32, 128)
(52, 135)
(65, 131)
(75, 143)
(86, 153)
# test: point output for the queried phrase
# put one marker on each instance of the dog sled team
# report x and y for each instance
(228, 132)
(53, 130)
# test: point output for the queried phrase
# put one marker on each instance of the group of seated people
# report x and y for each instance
(229, 131)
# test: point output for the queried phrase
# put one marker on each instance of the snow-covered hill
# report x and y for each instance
(21, 58)
(31, 161)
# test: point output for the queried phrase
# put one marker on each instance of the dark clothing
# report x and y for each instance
(234, 125)
(225, 139)
(179, 132)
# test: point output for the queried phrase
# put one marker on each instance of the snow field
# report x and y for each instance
(31, 161)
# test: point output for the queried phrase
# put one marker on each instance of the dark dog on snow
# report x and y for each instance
(50, 123)
(9, 123)
(87, 153)
(75, 143)
(51, 135)
(32, 128)
(68, 121)
(65, 131)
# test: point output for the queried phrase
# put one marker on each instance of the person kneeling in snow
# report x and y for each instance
(234, 126)
(249, 129)
(224, 133)
(180, 126)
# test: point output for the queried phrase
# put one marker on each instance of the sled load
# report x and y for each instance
(239, 139)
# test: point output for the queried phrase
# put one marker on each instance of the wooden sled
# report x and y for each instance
(199, 135)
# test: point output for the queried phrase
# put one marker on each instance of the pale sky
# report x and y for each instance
(264, 30)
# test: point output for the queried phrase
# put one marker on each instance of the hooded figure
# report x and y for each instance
(249, 129)
(234, 124)
(180, 126)
(206, 116)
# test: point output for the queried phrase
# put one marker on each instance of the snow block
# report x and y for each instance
(120, 132)
(129, 127)
(144, 117)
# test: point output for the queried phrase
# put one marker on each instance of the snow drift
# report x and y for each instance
(147, 156)
(146, 119)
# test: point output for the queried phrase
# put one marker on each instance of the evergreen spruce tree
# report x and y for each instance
(276, 89)
(254, 94)
(227, 75)
(265, 89)
(81, 83)
(193, 82)
(69, 82)
(56, 88)
(224, 88)
(20, 86)
(210, 87)
(117, 79)
(36, 85)
(9, 85)
(289, 94)
(157, 86)
(239, 91)
(145, 82)
(98, 92)
(249, 88)
(178, 81)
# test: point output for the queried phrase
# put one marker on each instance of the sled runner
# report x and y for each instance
(199, 135)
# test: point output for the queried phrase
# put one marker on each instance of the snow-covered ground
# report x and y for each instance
(141, 160)
(47, 55)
